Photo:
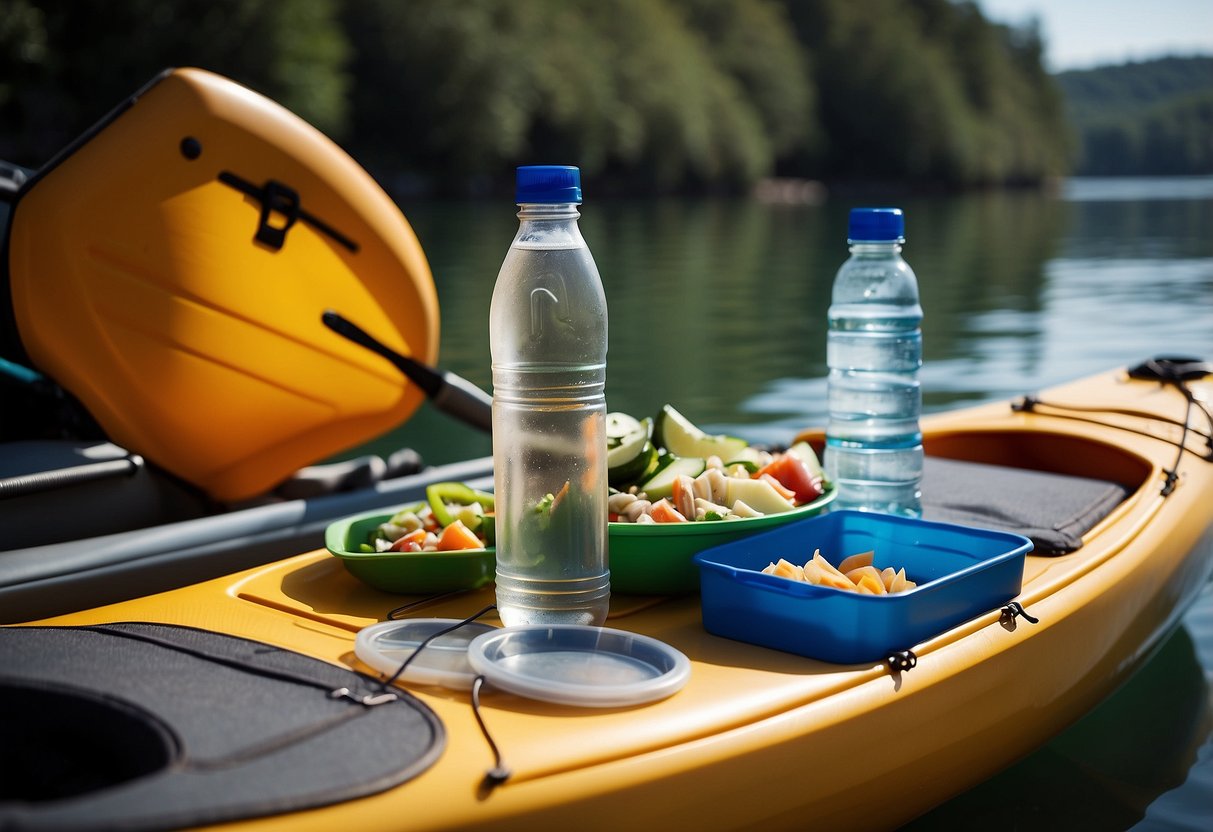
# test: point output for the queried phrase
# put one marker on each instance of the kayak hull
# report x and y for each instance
(762, 738)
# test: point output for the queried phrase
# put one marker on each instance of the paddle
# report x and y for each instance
(450, 393)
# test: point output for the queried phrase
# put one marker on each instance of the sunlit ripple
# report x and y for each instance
(1123, 189)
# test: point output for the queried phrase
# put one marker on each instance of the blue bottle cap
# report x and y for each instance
(877, 225)
(548, 184)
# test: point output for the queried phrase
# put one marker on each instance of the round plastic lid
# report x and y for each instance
(877, 225)
(444, 661)
(547, 184)
(570, 664)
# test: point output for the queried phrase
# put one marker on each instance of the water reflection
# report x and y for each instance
(1095, 775)
(719, 306)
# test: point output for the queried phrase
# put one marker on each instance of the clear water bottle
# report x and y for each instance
(874, 350)
(548, 338)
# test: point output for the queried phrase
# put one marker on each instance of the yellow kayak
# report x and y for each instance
(758, 738)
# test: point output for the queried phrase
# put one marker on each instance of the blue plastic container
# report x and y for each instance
(961, 573)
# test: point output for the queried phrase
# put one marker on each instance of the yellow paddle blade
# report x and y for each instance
(171, 267)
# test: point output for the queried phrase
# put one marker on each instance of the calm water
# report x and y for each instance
(719, 307)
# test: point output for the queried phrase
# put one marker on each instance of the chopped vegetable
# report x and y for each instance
(453, 516)
(442, 495)
(458, 536)
(680, 437)
(791, 472)
(664, 512)
(414, 541)
(653, 460)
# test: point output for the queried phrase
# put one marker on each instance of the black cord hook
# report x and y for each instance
(902, 660)
(1015, 610)
(498, 774)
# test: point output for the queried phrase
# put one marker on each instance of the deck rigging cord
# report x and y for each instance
(1167, 371)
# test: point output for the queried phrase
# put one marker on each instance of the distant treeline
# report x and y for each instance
(1154, 117)
(654, 95)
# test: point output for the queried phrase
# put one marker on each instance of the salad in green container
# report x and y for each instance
(676, 490)
(441, 544)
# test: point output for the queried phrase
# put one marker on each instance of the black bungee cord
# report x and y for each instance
(499, 773)
(398, 613)
(1172, 371)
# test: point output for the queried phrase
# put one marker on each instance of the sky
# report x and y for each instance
(1080, 34)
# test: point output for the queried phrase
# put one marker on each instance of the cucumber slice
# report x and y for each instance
(621, 426)
(748, 458)
(634, 469)
(661, 484)
(630, 461)
(663, 459)
(681, 437)
(629, 450)
(635, 454)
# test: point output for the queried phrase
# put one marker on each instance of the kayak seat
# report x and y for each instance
(58, 490)
(141, 726)
(1052, 509)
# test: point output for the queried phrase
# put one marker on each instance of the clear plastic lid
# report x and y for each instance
(443, 662)
(579, 665)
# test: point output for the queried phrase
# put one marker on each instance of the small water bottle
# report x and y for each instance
(874, 350)
(548, 339)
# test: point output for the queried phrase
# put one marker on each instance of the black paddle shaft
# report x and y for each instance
(450, 393)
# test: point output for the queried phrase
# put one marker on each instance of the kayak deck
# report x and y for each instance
(760, 737)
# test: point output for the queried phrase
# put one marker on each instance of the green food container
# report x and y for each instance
(406, 573)
(656, 558)
(646, 559)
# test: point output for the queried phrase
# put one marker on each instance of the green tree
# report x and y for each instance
(753, 41)
(929, 91)
(79, 58)
(642, 92)
(652, 95)
(24, 55)
(889, 105)
(1147, 118)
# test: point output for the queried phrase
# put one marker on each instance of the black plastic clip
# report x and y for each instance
(1169, 485)
(281, 202)
(1172, 368)
(1015, 610)
(277, 200)
(901, 660)
(1026, 404)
